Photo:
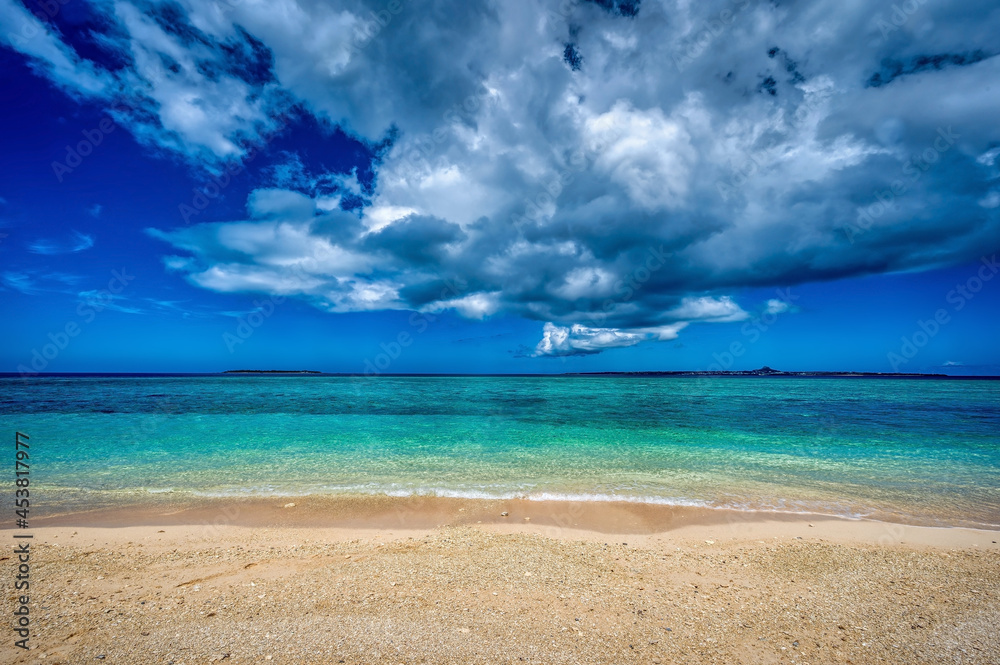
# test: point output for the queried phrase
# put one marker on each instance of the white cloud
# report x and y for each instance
(775, 306)
(706, 308)
(578, 340)
(378, 217)
(473, 306)
(586, 282)
(648, 155)
(20, 30)
(581, 340)
(176, 93)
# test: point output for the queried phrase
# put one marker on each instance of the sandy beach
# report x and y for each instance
(421, 580)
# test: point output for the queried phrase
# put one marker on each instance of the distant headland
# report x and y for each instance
(763, 371)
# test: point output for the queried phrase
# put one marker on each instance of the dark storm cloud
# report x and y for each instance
(611, 172)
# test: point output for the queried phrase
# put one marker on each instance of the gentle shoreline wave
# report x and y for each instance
(122, 498)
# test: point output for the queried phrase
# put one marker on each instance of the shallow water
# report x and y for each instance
(923, 451)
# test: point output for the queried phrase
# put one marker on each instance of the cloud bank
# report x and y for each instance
(614, 170)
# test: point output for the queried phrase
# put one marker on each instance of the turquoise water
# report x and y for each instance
(925, 451)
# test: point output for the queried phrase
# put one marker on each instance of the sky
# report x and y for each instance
(536, 186)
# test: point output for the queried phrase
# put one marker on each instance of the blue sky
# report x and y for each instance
(360, 186)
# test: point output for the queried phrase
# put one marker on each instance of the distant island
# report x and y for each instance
(271, 371)
(763, 371)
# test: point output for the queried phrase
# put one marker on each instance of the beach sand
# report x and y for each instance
(426, 580)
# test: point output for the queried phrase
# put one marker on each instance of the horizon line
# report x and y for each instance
(777, 374)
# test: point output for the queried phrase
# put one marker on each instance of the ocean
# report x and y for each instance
(916, 451)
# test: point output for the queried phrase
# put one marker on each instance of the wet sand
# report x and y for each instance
(425, 580)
